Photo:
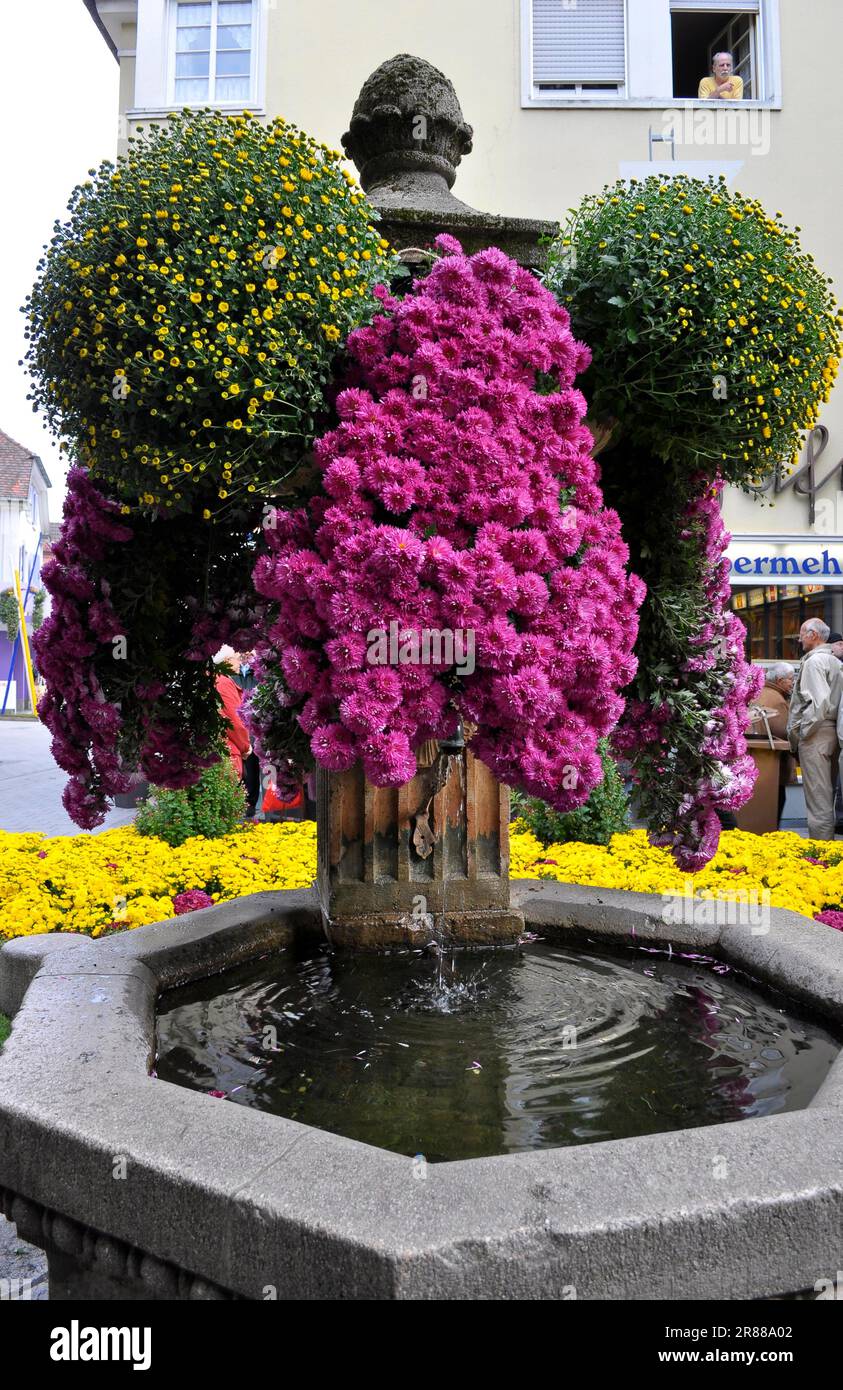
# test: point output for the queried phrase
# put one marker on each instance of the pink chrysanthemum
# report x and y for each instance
(461, 501)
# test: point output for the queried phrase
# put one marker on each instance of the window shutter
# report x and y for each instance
(578, 41)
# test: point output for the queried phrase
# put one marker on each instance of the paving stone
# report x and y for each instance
(31, 783)
(21, 1261)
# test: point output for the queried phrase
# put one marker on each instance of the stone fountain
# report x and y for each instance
(138, 1188)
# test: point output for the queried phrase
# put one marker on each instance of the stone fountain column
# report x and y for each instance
(407, 136)
(405, 865)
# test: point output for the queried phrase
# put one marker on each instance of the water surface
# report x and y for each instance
(547, 1047)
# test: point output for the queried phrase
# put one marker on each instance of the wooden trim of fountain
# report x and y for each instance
(381, 884)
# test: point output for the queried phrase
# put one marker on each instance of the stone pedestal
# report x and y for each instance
(381, 882)
(407, 135)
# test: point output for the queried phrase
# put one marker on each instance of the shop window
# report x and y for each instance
(773, 617)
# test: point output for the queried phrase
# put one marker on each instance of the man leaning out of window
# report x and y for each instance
(724, 84)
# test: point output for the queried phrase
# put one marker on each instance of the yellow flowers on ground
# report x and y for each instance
(85, 883)
(744, 863)
(88, 883)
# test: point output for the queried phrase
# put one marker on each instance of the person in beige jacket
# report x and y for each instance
(812, 725)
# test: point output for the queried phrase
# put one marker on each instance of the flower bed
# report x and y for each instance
(798, 874)
(90, 883)
(97, 883)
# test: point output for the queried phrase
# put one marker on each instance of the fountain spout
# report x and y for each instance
(455, 743)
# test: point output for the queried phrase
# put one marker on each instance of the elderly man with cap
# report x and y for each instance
(812, 725)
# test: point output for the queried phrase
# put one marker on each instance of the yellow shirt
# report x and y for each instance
(708, 88)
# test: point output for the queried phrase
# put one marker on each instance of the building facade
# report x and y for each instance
(24, 527)
(565, 96)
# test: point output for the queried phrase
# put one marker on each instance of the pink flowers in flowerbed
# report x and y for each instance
(459, 497)
(191, 901)
(831, 917)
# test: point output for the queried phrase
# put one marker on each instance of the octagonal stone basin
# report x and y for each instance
(139, 1188)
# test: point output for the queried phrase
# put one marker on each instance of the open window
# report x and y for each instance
(645, 53)
(699, 30)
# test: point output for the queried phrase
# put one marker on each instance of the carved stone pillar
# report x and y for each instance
(407, 135)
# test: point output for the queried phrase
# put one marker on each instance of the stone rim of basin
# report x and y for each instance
(228, 1202)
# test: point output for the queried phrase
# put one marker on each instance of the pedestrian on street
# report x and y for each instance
(244, 677)
(236, 733)
(812, 725)
(835, 641)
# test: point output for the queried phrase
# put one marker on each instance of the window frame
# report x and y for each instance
(154, 94)
(211, 100)
(758, 76)
(581, 94)
(639, 17)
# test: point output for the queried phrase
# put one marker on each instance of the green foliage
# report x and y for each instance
(604, 814)
(9, 613)
(38, 608)
(212, 807)
(5, 1028)
(274, 718)
(715, 338)
(187, 317)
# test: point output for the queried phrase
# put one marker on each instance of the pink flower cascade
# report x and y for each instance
(84, 723)
(716, 773)
(73, 649)
(459, 496)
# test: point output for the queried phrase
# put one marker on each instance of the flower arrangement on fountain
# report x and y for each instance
(125, 650)
(688, 743)
(715, 341)
(183, 333)
(458, 495)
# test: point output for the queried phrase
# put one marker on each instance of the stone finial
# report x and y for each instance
(407, 135)
(407, 126)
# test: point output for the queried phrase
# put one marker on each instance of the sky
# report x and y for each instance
(59, 109)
